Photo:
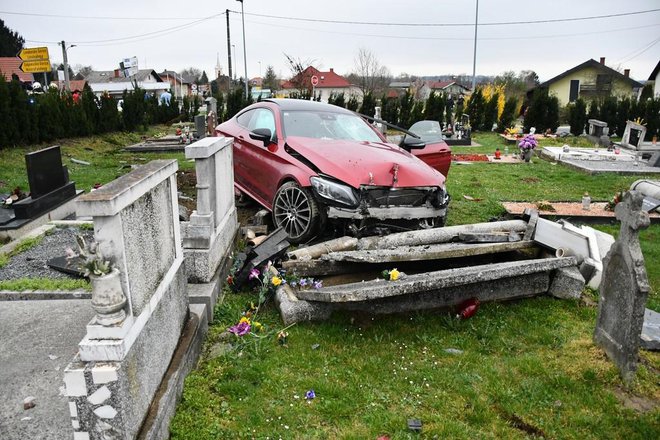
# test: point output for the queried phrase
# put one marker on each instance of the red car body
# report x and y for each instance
(349, 179)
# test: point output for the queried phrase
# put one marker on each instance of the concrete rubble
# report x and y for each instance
(444, 267)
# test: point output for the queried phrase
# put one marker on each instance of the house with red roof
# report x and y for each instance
(12, 66)
(328, 83)
(449, 88)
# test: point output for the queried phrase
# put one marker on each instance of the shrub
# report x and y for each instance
(368, 106)
(508, 114)
(577, 116)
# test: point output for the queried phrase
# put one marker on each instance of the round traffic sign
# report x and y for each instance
(315, 80)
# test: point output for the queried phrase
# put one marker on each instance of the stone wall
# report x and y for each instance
(113, 379)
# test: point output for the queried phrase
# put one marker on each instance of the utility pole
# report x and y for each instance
(244, 49)
(474, 60)
(67, 84)
(228, 48)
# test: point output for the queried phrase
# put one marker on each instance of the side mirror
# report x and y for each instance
(410, 143)
(262, 134)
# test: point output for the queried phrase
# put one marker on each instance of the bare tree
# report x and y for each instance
(191, 74)
(370, 74)
(82, 71)
(301, 75)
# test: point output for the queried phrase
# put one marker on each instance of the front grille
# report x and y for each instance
(385, 196)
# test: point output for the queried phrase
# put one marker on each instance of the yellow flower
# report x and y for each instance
(244, 319)
(394, 274)
(276, 281)
(257, 326)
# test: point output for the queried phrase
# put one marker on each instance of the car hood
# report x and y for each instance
(366, 163)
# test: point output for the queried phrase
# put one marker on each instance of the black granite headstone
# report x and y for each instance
(45, 171)
(624, 289)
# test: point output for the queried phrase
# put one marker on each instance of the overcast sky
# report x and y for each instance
(172, 35)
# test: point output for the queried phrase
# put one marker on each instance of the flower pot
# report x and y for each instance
(108, 298)
(526, 155)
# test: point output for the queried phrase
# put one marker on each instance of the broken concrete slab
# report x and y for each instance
(532, 217)
(315, 251)
(650, 337)
(293, 310)
(567, 283)
(562, 236)
(319, 267)
(428, 252)
(493, 237)
(438, 235)
(433, 281)
(270, 249)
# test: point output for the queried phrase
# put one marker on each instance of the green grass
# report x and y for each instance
(528, 364)
(104, 153)
(24, 245)
(24, 284)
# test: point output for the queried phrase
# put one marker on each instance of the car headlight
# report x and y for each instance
(334, 191)
(442, 197)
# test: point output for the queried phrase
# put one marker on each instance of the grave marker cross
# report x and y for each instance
(624, 289)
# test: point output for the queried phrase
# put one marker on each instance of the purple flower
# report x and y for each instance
(254, 273)
(294, 283)
(303, 282)
(317, 284)
(309, 395)
(240, 329)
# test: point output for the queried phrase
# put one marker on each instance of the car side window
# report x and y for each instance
(263, 118)
(244, 118)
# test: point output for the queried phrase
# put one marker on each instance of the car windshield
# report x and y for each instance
(327, 125)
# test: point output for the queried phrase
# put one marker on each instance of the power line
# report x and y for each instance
(138, 37)
(501, 23)
(318, 20)
(637, 52)
(403, 37)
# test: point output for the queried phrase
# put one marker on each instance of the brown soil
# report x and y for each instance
(530, 180)
(637, 403)
(568, 209)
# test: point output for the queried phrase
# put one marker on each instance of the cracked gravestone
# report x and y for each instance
(624, 290)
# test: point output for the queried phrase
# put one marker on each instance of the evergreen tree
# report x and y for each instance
(270, 80)
(11, 42)
(390, 110)
(608, 110)
(475, 109)
(109, 119)
(352, 103)
(417, 111)
(50, 116)
(368, 106)
(508, 114)
(490, 112)
(577, 116)
(204, 79)
(622, 114)
(430, 108)
(406, 104)
(21, 111)
(9, 132)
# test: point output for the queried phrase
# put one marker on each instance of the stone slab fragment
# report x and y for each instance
(431, 281)
(427, 252)
(438, 235)
(317, 267)
(567, 283)
(650, 337)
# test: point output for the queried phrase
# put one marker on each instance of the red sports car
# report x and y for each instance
(316, 165)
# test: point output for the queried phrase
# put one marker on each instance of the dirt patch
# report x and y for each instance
(469, 157)
(566, 209)
(636, 403)
(518, 423)
(530, 180)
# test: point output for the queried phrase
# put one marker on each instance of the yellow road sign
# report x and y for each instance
(34, 53)
(35, 66)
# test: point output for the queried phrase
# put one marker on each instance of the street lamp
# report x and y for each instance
(259, 69)
(66, 64)
(233, 46)
(244, 49)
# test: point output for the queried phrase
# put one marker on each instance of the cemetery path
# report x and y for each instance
(39, 339)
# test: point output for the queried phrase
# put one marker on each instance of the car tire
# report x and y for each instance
(295, 210)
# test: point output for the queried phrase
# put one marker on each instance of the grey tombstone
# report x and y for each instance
(633, 135)
(200, 126)
(624, 290)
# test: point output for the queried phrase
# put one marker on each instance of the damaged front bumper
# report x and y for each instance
(387, 213)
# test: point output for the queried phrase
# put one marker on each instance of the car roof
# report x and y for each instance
(301, 104)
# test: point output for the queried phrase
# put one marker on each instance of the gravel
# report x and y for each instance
(32, 263)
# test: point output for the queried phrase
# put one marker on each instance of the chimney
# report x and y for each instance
(332, 70)
(626, 73)
(116, 73)
(602, 60)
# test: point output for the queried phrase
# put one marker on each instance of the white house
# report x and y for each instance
(655, 78)
(115, 83)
